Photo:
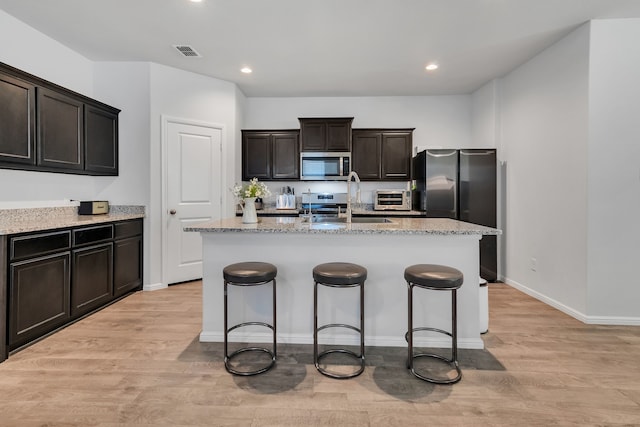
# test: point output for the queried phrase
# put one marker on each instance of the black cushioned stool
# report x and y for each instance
(338, 275)
(249, 274)
(437, 278)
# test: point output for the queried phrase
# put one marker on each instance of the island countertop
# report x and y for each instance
(428, 226)
(384, 249)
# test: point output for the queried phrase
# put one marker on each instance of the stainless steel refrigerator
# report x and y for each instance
(460, 184)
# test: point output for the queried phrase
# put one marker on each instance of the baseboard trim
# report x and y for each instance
(466, 343)
(590, 320)
(153, 286)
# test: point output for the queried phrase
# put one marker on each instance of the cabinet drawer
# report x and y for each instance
(87, 235)
(128, 229)
(39, 244)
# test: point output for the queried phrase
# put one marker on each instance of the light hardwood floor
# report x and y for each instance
(139, 363)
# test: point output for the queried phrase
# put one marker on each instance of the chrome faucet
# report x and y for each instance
(352, 174)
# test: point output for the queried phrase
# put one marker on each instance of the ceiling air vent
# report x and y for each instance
(187, 51)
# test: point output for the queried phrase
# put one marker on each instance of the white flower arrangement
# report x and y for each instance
(252, 189)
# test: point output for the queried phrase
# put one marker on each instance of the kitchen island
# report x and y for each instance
(384, 249)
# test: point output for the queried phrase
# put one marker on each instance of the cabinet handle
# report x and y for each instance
(172, 211)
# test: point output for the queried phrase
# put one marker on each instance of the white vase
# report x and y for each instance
(249, 215)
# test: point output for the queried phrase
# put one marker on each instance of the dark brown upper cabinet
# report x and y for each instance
(270, 154)
(365, 154)
(382, 154)
(60, 136)
(325, 134)
(101, 139)
(45, 127)
(17, 121)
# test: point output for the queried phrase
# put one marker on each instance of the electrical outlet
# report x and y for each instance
(533, 264)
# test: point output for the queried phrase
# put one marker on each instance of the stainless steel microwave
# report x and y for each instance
(318, 166)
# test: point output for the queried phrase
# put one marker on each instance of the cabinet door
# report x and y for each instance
(285, 156)
(127, 261)
(60, 131)
(365, 154)
(4, 352)
(39, 297)
(325, 134)
(396, 156)
(313, 135)
(101, 140)
(17, 121)
(339, 135)
(256, 155)
(92, 282)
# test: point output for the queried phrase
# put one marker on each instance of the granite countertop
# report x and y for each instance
(13, 221)
(428, 226)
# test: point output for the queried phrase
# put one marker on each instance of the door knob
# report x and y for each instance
(172, 211)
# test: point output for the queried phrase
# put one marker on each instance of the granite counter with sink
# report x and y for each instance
(385, 249)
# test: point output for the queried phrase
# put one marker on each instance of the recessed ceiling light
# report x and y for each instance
(246, 70)
(431, 67)
(196, 1)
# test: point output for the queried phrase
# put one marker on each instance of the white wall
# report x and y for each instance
(439, 121)
(31, 51)
(614, 171)
(484, 117)
(125, 85)
(25, 48)
(544, 119)
(186, 95)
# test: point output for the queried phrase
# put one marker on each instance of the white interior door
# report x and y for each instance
(194, 190)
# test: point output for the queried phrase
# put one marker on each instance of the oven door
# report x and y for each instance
(324, 166)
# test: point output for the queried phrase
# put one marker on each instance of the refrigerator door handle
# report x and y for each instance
(475, 153)
(452, 153)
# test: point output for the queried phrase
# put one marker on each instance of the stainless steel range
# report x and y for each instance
(325, 204)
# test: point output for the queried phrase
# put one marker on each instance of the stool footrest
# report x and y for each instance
(338, 325)
(230, 369)
(241, 325)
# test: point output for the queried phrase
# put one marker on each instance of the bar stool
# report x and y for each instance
(437, 278)
(249, 274)
(338, 275)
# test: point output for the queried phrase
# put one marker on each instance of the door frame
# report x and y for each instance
(164, 141)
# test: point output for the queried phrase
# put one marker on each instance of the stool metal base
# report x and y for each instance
(228, 357)
(451, 361)
(318, 356)
(232, 370)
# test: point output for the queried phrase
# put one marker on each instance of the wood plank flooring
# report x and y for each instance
(139, 363)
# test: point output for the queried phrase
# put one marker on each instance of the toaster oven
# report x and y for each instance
(392, 200)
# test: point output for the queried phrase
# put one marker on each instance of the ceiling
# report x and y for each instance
(321, 47)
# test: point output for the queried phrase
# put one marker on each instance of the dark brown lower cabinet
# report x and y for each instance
(92, 283)
(127, 254)
(39, 297)
(3, 299)
(53, 277)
